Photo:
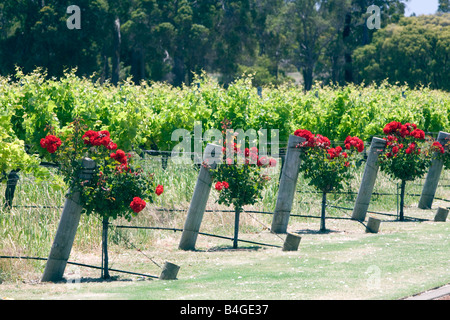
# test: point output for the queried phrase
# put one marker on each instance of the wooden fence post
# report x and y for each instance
(433, 175)
(11, 184)
(441, 215)
(67, 228)
(288, 183)
(291, 242)
(373, 225)
(169, 271)
(368, 181)
(199, 198)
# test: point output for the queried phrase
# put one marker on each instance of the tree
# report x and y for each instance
(272, 46)
(444, 6)
(234, 37)
(309, 27)
(414, 51)
(38, 36)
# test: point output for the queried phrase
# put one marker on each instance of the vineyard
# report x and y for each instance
(142, 119)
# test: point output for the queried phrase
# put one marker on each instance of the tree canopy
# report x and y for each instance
(415, 51)
(171, 40)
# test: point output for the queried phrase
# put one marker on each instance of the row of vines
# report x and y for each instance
(144, 116)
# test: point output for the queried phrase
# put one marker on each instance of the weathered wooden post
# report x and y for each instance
(67, 228)
(11, 184)
(441, 215)
(212, 155)
(433, 175)
(291, 242)
(373, 225)
(169, 271)
(368, 181)
(288, 183)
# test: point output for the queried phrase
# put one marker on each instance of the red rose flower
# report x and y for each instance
(418, 134)
(103, 138)
(100, 138)
(137, 205)
(392, 127)
(159, 190)
(225, 184)
(262, 161)
(219, 186)
(332, 153)
(355, 142)
(321, 141)
(307, 135)
(438, 147)
(89, 137)
(111, 146)
(120, 156)
(51, 143)
(254, 150)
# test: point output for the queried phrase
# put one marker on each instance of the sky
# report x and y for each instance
(421, 7)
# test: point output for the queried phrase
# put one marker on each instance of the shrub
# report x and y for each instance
(326, 167)
(240, 179)
(408, 154)
(117, 188)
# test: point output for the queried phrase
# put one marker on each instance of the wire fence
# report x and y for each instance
(166, 154)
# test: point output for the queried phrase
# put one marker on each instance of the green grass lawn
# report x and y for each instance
(404, 259)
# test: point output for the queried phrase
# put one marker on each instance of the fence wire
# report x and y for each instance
(167, 155)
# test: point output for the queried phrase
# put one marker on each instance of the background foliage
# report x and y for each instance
(161, 40)
(144, 116)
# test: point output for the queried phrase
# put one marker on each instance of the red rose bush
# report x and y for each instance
(241, 177)
(408, 154)
(118, 187)
(327, 167)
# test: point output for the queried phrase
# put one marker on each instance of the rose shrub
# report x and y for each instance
(118, 187)
(327, 167)
(116, 182)
(240, 178)
(408, 154)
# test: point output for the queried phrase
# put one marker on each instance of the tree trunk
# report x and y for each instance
(138, 64)
(307, 78)
(179, 71)
(402, 200)
(116, 56)
(105, 68)
(322, 217)
(237, 212)
(105, 271)
(348, 68)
